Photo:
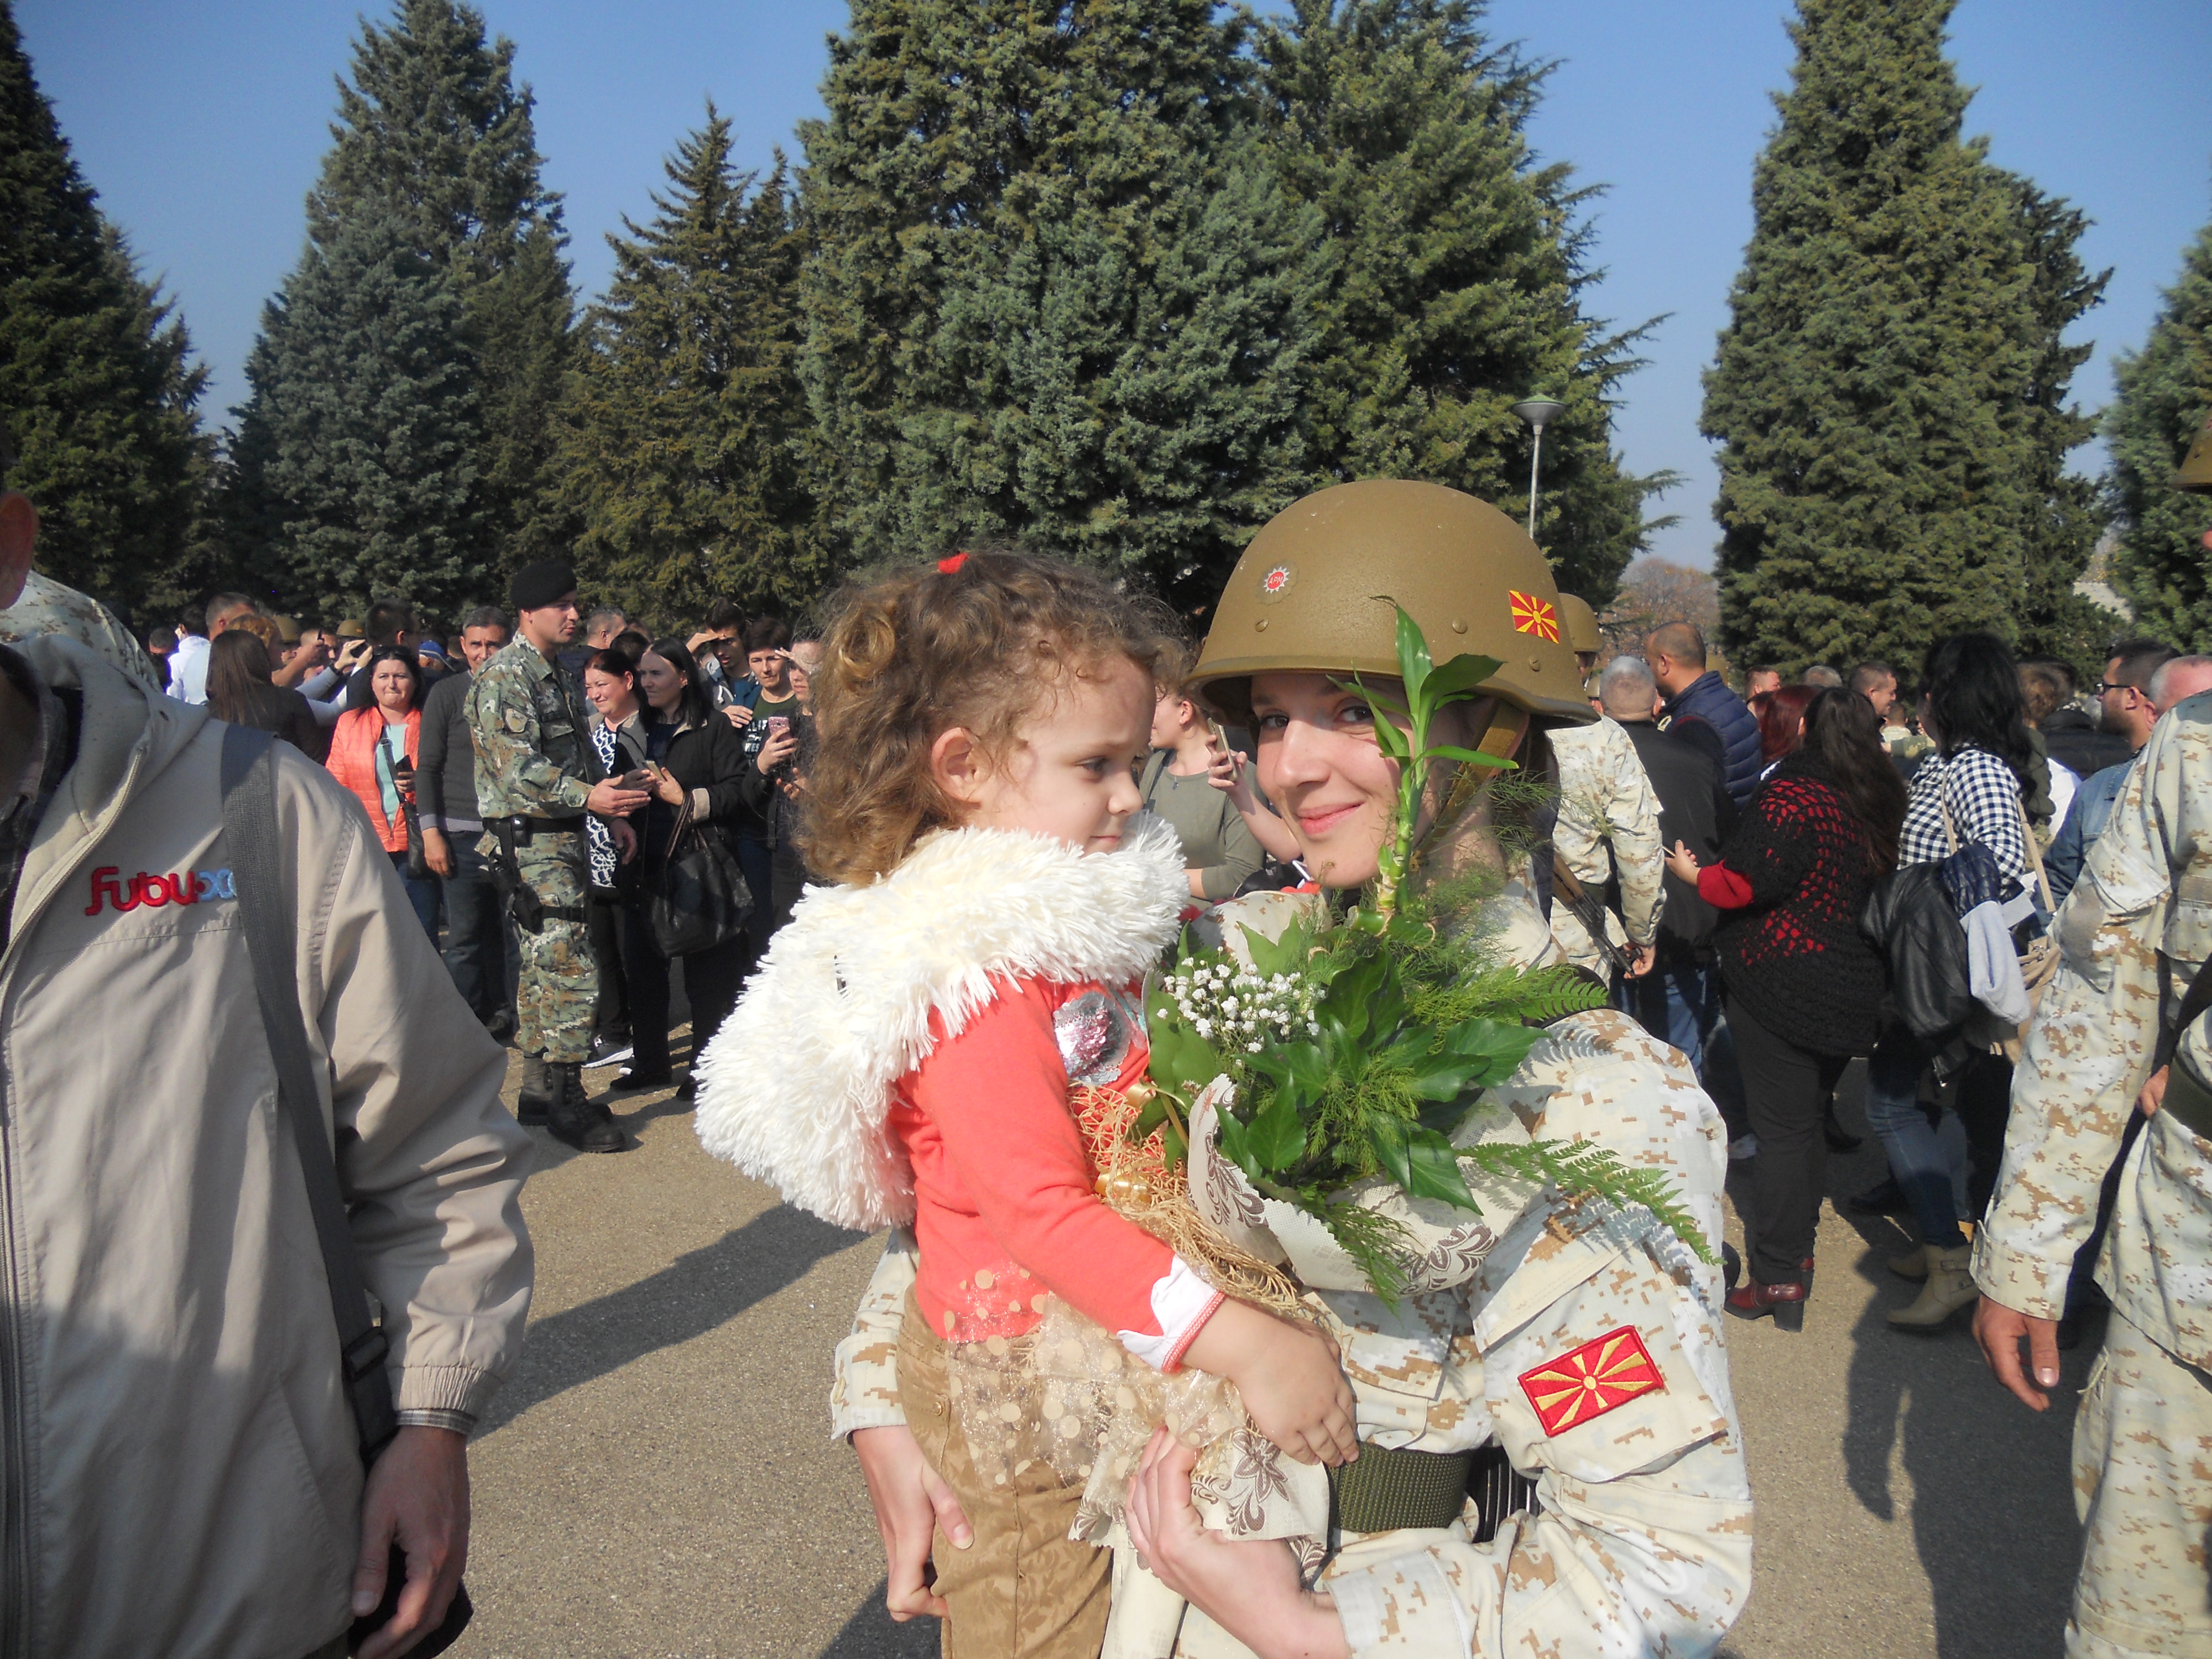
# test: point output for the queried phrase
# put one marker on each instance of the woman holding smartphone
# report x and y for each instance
(689, 756)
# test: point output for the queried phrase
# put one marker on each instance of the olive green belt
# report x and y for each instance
(1386, 1489)
(2188, 1098)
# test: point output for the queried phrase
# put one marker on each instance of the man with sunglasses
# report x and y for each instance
(2125, 710)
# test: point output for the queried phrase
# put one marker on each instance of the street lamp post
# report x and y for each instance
(1539, 411)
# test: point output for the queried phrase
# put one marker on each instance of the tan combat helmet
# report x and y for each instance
(1580, 623)
(2196, 472)
(1303, 596)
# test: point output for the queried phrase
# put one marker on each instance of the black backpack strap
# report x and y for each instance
(249, 827)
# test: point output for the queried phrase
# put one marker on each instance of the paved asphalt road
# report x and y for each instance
(657, 1478)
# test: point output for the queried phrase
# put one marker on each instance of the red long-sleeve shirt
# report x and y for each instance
(1005, 1208)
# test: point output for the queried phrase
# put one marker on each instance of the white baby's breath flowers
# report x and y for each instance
(1238, 1009)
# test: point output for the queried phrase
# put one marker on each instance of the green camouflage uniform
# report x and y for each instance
(2133, 932)
(535, 760)
(46, 607)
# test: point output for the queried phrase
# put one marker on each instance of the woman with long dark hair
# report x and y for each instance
(1973, 788)
(1804, 986)
(692, 756)
(373, 751)
(241, 692)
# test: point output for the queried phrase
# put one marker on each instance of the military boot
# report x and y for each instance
(1950, 1287)
(575, 1118)
(536, 1099)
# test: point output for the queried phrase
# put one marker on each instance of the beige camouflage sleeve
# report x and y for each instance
(1636, 853)
(866, 1394)
(2090, 1049)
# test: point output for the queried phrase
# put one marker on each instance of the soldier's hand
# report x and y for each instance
(1641, 957)
(610, 798)
(2153, 1093)
(912, 1506)
(1999, 1330)
(437, 852)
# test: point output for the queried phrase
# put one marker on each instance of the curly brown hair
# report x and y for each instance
(978, 640)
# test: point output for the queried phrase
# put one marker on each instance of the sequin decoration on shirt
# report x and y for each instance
(1095, 1032)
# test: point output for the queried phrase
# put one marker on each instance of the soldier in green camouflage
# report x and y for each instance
(537, 778)
(2135, 933)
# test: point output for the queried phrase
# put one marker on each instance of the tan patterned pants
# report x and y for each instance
(1022, 1589)
(2142, 1445)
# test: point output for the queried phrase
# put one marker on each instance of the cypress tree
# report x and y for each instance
(2164, 395)
(682, 439)
(434, 137)
(358, 448)
(1057, 293)
(1877, 467)
(1460, 271)
(98, 391)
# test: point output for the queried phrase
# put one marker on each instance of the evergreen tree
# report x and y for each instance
(1879, 468)
(98, 393)
(435, 138)
(682, 443)
(1056, 293)
(1457, 290)
(357, 452)
(2165, 396)
(2064, 514)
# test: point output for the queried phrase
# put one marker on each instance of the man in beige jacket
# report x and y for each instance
(179, 1470)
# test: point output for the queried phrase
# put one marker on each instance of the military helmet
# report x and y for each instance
(1312, 595)
(1580, 623)
(2196, 472)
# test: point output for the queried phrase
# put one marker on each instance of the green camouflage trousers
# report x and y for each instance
(559, 980)
(2140, 1442)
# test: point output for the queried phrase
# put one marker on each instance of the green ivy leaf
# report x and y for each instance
(1499, 1047)
(1299, 1071)
(1285, 955)
(1181, 1061)
(1277, 1138)
(1421, 1160)
(1236, 1146)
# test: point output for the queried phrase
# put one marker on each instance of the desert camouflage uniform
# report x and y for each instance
(1605, 798)
(535, 760)
(1640, 1540)
(47, 607)
(2134, 932)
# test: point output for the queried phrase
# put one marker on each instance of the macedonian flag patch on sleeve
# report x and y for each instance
(1588, 1382)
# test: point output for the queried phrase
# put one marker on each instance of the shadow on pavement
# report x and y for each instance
(872, 1633)
(692, 1295)
(1990, 1495)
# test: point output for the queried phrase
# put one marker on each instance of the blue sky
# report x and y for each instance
(202, 125)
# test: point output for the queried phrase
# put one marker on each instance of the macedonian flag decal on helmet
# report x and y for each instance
(1533, 614)
(1590, 1380)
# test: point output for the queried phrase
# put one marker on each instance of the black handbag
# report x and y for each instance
(695, 897)
(249, 826)
(402, 785)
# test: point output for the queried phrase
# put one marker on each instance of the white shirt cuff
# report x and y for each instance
(1181, 1303)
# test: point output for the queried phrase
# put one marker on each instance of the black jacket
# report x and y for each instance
(1693, 808)
(1707, 698)
(2075, 743)
(1908, 918)
(709, 758)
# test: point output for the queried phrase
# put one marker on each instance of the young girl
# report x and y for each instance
(981, 723)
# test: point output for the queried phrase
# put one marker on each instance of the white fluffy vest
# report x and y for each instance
(795, 1089)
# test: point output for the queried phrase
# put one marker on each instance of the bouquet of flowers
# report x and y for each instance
(1344, 1056)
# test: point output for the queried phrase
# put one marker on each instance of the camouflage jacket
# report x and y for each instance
(46, 607)
(2133, 934)
(534, 754)
(1606, 800)
(1642, 1540)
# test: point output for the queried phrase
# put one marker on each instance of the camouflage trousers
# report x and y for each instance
(2141, 1442)
(559, 979)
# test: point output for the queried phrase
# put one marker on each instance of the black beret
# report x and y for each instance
(546, 582)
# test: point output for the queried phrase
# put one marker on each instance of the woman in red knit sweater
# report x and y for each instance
(1804, 986)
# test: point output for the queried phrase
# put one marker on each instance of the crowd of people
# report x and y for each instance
(1765, 886)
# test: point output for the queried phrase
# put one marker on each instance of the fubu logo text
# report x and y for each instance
(152, 890)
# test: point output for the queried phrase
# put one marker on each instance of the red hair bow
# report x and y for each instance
(947, 566)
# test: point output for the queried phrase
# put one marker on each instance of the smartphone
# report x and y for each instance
(778, 724)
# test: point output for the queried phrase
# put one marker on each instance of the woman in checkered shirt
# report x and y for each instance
(1971, 789)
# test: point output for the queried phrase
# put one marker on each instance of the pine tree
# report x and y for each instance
(358, 448)
(1879, 465)
(682, 442)
(434, 136)
(2064, 513)
(1460, 271)
(97, 391)
(1056, 293)
(2164, 396)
